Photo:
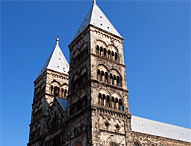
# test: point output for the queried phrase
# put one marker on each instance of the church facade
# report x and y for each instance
(85, 103)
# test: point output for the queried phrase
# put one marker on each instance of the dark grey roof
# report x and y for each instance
(62, 102)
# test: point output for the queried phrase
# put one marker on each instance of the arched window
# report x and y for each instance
(106, 77)
(112, 53)
(118, 81)
(111, 79)
(98, 74)
(101, 51)
(104, 52)
(62, 92)
(65, 92)
(51, 89)
(109, 53)
(114, 82)
(102, 74)
(108, 101)
(99, 99)
(115, 103)
(116, 58)
(104, 100)
(112, 102)
(120, 105)
(97, 50)
(56, 91)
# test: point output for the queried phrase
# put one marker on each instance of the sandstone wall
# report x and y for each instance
(151, 140)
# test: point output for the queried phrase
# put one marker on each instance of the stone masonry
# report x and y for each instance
(88, 106)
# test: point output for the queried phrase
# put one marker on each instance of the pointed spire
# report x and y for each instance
(97, 18)
(57, 61)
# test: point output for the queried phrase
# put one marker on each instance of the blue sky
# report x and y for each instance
(156, 49)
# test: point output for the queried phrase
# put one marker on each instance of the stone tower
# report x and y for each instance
(98, 95)
(51, 83)
(95, 110)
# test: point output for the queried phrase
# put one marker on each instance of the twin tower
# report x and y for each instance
(83, 103)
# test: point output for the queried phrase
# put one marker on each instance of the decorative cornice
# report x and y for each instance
(122, 114)
(45, 73)
(106, 33)
(104, 58)
(109, 85)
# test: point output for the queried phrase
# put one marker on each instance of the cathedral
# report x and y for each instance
(85, 103)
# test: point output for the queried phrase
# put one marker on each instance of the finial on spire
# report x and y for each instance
(94, 2)
(57, 41)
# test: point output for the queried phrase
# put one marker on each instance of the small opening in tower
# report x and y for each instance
(120, 108)
(100, 16)
(101, 24)
(59, 58)
(108, 27)
(58, 66)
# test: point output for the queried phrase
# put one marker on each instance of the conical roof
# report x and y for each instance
(57, 61)
(97, 18)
